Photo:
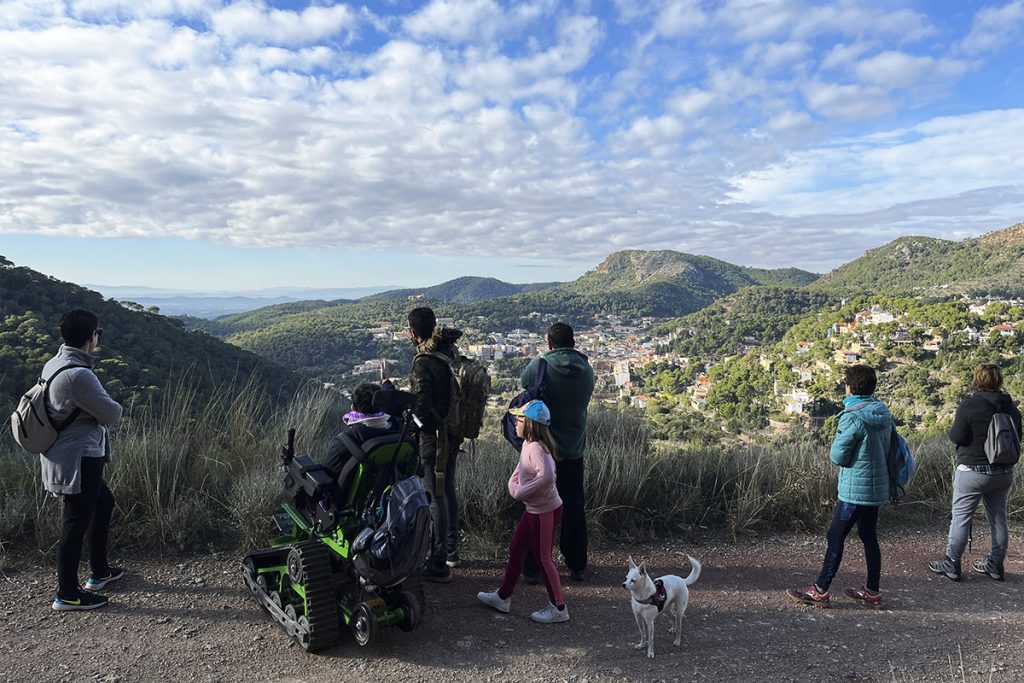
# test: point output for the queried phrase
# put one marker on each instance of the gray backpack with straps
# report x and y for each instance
(31, 425)
(1002, 444)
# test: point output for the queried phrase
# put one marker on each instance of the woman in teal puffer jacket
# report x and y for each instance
(859, 448)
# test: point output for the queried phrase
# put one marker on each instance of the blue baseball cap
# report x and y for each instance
(535, 410)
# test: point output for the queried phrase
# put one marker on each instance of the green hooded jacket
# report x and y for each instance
(569, 383)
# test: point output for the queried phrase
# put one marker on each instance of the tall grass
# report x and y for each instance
(191, 473)
(187, 472)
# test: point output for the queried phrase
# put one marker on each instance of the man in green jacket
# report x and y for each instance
(860, 449)
(568, 385)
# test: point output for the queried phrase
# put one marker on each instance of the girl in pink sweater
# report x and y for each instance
(533, 483)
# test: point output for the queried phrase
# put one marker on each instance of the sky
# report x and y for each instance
(238, 145)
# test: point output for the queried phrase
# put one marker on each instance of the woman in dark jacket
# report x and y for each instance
(976, 480)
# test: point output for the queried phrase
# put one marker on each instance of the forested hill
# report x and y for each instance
(141, 351)
(753, 316)
(990, 264)
(462, 290)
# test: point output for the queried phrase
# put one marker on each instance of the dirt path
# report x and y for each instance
(192, 620)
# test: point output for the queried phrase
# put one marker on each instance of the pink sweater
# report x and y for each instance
(533, 481)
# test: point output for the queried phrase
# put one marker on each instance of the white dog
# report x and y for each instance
(651, 596)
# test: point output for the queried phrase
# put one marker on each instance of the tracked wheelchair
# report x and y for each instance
(351, 545)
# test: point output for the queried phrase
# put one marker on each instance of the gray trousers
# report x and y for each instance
(970, 488)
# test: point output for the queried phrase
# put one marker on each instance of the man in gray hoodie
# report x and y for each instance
(73, 467)
(568, 385)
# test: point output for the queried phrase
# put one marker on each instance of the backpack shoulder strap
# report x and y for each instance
(46, 398)
(542, 373)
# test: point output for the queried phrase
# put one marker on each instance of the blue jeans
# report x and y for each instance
(969, 489)
(846, 516)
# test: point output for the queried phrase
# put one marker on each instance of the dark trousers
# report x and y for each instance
(89, 510)
(847, 515)
(573, 537)
(444, 511)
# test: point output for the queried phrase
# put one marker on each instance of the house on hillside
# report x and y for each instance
(796, 401)
(699, 395)
(847, 356)
(1004, 330)
(803, 347)
(933, 343)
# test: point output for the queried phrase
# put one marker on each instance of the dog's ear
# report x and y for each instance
(643, 567)
(632, 564)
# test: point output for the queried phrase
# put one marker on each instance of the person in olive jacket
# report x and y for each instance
(975, 479)
(859, 449)
(568, 385)
(431, 380)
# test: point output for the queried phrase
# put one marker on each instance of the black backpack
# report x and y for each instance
(398, 541)
(1002, 445)
(508, 422)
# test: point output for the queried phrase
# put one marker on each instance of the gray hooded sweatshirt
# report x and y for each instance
(87, 436)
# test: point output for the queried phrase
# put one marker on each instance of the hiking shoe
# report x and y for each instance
(809, 595)
(987, 566)
(946, 567)
(865, 596)
(453, 559)
(84, 601)
(578, 575)
(95, 583)
(440, 574)
(503, 605)
(551, 615)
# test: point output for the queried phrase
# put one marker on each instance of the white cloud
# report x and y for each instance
(668, 125)
(892, 69)
(240, 22)
(994, 27)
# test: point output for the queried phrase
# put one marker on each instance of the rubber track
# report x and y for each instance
(321, 600)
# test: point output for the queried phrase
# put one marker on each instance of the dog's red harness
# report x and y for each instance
(658, 598)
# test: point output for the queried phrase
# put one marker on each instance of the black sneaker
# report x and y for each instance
(84, 601)
(987, 566)
(440, 574)
(95, 583)
(578, 575)
(453, 559)
(946, 567)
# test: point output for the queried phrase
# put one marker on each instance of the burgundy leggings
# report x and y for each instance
(536, 532)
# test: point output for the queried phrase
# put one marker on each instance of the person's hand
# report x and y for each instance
(384, 369)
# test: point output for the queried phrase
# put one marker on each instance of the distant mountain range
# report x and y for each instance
(215, 304)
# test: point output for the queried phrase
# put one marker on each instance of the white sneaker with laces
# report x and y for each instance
(550, 615)
(494, 600)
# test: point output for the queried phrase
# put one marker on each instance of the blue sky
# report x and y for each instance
(239, 145)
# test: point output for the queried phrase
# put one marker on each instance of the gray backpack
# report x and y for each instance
(1002, 445)
(31, 425)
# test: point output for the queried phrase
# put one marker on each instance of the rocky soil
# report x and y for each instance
(191, 619)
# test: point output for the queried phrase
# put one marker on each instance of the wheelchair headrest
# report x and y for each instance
(392, 401)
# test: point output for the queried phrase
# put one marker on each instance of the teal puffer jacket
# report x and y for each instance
(862, 439)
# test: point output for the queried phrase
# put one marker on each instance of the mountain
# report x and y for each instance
(326, 339)
(463, 290)
(990, 264)
(141, 353)
(215, 304)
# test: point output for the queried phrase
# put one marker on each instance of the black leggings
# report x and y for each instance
(866, 519)
(89, 510)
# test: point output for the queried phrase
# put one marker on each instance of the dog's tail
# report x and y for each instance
(695, 572)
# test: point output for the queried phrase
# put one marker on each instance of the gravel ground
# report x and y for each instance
(191, 619)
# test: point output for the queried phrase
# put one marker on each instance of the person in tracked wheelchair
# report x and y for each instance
(362, 423)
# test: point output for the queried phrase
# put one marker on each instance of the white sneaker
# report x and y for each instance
(494, 600)
(550, 615)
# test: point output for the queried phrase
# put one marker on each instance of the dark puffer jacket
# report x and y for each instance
(431, 378)
(970, 426)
